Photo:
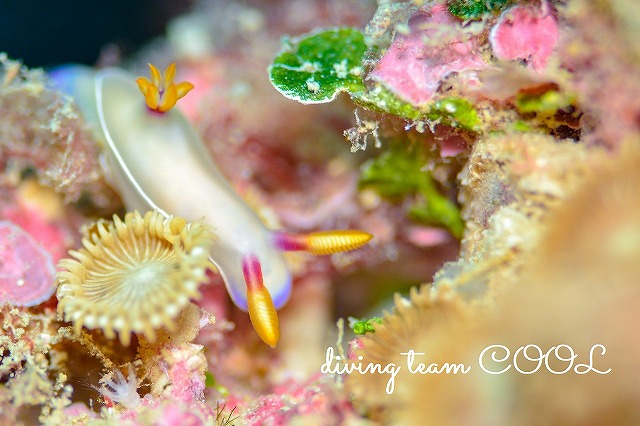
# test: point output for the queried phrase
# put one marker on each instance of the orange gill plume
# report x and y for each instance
(161, 94)
(262, 313)
(323, 242)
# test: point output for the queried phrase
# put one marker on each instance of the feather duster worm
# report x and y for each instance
(133, 275)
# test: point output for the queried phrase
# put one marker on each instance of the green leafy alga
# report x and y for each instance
(474, 9)
(315, 68)
(399, 172)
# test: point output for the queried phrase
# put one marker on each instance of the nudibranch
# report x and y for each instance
(157, 162)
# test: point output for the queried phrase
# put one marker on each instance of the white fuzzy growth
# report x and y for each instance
(122, 391)
(312, 85)
(341, 69)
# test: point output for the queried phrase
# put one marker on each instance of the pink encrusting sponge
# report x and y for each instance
(26, 269)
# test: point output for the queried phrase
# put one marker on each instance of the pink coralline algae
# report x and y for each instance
(312, 402)
(176, 414)
(26, 269)
(177, 371)
(162, 412)
(187, 385)
(435, 47)
(523, 32)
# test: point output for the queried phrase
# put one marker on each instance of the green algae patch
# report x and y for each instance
(380, 99)
(521, 126)
(399, 172)
(547, 103)
(315, 68)
(456, 112)
(210, 382)
(364, 326)
(452, 111)
(395, 173)
(439, 211)
(475, 9)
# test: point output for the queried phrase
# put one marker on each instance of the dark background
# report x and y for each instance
(45, 33)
